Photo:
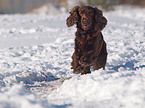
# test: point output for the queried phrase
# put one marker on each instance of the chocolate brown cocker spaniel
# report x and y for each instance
(90, 47)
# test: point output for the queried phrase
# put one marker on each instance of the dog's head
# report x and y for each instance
(86, 14)
(87, 18)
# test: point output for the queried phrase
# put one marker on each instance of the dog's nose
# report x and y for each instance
(84, 19)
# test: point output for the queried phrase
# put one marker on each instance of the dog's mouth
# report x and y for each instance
(85, 26)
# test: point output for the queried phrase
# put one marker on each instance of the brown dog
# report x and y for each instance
(90, 48)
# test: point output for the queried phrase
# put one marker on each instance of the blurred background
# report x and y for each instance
(61, 6)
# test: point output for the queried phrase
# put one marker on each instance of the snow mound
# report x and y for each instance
(18, 96)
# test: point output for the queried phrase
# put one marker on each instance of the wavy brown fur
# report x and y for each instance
(90, 47)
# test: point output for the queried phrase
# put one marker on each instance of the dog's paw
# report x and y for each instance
(86, 72)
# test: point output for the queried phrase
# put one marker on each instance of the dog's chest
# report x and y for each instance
(86, 41)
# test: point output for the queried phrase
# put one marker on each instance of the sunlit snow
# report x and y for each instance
(35, 57)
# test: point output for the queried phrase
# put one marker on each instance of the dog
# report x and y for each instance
(90, 47)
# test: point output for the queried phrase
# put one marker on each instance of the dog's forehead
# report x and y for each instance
(85, 8)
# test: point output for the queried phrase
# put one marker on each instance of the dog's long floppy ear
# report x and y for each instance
(100, 20)
(73, 18)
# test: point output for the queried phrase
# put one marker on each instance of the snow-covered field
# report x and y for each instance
(35, 56)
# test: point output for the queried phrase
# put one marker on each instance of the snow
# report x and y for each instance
(49, 8)
(35, 57)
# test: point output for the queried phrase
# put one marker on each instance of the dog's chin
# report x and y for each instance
(85, 27)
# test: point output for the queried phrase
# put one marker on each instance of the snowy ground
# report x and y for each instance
(35, 56)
